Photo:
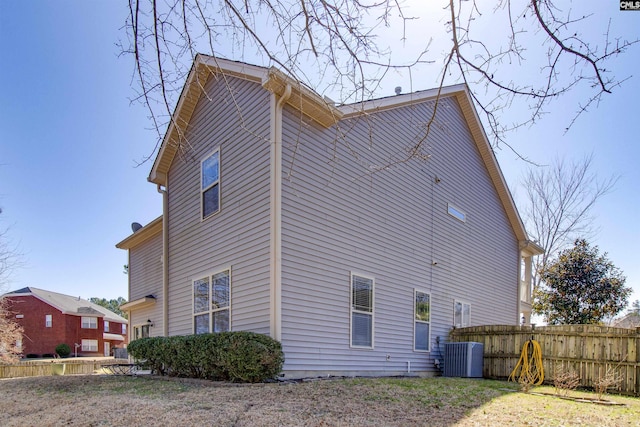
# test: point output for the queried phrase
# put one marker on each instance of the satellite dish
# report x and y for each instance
(135, 226)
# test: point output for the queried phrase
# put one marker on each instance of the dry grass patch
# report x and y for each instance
(138, 401)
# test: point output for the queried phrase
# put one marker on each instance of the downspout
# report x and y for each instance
(275, 188)
(165, 260)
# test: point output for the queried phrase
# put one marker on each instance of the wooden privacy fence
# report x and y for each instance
(591, 351)
(37, 368)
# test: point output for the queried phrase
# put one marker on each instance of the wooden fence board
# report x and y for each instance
(589, 350)
(38, 368)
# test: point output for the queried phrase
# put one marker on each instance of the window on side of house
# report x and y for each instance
(362, 311)
(141, 331)
(461, 314)
(89, 322)
(422, 321)
(48, 321)
(90, 345)
(212, 303)
(456, 213)
(210, 184)
(124, 329)
(106, 326)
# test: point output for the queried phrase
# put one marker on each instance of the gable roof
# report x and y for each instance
(74, 306)
(307, 101)
(325, 113)
(461, 94)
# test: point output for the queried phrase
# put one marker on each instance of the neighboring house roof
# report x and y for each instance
(324, 112)
(630, 321)
(74, 306)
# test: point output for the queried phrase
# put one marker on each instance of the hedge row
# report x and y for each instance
(225, 356)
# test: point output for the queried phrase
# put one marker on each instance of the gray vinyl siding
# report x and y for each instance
(145, 278)
(339, 218)
(233, 115)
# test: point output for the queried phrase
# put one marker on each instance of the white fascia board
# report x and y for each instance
(396, 101)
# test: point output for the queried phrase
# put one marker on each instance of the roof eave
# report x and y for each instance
(142, 235)
(303, 99)
(486, 152)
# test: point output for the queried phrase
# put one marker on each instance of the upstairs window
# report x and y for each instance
(89, 322)
(210, 184)
(421, 320)
(47, 321)
(106, 326)
(212, 303)
(361, 311)
(461, 314)
(124, 329)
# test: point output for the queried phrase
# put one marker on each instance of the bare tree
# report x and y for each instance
(336, 47)
(10, 335)
(10, 331)
(558, 206)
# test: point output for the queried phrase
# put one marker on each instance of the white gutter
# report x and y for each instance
(275, 218)
(165, 259)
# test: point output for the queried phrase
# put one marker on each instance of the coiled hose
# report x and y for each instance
(531, 370)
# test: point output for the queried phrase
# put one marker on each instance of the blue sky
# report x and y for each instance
(70, 140)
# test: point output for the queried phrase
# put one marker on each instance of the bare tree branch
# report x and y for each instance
(334, 47)
(558, 206)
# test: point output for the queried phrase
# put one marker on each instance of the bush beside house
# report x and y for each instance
(226, 356)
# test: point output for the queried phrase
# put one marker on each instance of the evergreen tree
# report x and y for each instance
(580, 286)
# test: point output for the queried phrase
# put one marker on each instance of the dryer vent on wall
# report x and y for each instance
(463, 359)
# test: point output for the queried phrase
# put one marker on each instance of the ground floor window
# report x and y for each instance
(422, 320)
(212, 303)
(361, 311)
(90, 345)
(141, 331)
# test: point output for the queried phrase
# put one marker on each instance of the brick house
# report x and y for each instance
(49, 318)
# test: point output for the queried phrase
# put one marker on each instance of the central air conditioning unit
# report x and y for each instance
(463, 359)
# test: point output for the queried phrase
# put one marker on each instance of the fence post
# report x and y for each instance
(636, 390)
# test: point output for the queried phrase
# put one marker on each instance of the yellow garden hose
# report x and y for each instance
(531, 371)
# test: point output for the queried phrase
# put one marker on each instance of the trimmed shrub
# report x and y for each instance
(63, 350)
(226, 356)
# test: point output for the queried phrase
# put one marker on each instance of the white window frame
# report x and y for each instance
(106, 326)
(210, 186)
(416, 321)
(464, 322)
(210, 311)
(89, 322)
(90, 345)
(456, 213)
(48, 320)
(124, 329)
(353, 311)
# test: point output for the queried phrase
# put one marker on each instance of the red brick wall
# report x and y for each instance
(65, 328)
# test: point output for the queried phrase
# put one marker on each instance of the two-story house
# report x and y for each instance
(286, 215)
(50, 318)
